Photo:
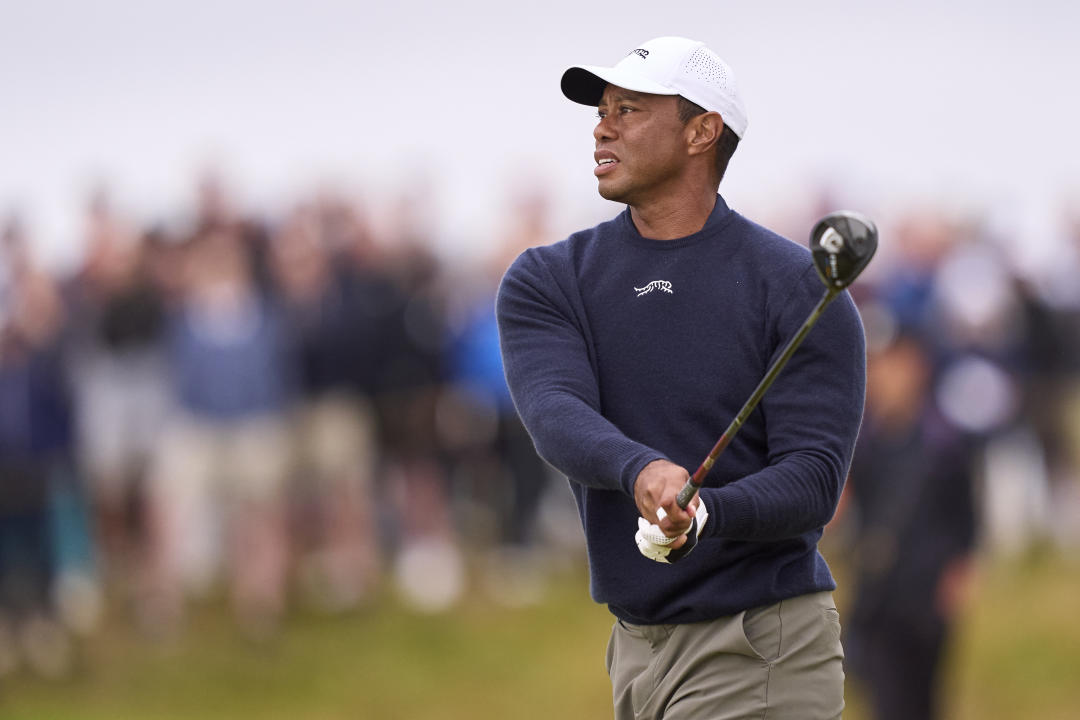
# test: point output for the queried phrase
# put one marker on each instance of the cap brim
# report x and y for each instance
(585, 83)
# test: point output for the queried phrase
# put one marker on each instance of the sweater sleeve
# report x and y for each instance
(812, 415)
(553, 382)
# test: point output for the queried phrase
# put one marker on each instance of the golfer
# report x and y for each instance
(628, 347)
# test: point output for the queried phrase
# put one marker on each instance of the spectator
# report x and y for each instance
(494, 454)
(117, 319)
(218, 480)
(428, 566)
(35, 446)
(335, 313)
(911, 494)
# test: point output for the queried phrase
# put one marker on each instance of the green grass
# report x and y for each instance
(1018, 653)
(1017, 656)
(481, 660)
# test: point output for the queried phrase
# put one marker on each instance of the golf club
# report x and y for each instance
(842, 244)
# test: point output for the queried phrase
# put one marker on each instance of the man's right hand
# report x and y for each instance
(657, 486)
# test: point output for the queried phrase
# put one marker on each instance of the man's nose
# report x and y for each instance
(604, 130)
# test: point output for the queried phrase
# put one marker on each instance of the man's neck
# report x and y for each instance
(673, 217)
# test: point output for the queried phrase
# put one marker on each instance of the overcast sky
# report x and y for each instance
(891, 104)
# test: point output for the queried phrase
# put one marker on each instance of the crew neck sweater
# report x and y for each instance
(620, 350)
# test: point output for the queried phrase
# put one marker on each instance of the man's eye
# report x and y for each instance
(625, 109)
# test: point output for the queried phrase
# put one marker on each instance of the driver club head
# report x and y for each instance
(842, 244)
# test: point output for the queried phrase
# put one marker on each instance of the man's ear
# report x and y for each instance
(703, 131)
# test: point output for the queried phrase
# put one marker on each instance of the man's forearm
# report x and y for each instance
(581, 443)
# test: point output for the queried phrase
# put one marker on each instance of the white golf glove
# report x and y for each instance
(655, 545)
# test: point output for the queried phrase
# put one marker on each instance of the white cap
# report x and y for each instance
(665, 66)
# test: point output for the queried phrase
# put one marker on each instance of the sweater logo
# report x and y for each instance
(661, 285)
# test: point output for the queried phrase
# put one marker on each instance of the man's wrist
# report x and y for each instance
(636, 467)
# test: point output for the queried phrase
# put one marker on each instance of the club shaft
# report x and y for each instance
(686, 495)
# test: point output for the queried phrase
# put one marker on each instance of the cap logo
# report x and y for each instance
(640, 52)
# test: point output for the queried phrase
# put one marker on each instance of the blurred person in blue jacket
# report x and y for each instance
(494, 451)
(217, 487)
(35, 455)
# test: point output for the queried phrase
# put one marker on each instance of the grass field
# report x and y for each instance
(1018, 657)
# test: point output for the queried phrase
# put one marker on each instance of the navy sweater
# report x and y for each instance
(620, 350)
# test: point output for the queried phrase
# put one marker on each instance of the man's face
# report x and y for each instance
(640, 145)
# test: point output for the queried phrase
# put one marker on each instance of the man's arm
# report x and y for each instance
(812, 415)
(553, 381)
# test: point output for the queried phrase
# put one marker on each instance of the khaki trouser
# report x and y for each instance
(775, 662)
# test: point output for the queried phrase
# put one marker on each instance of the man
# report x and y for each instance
(915, 524)
(628, 347)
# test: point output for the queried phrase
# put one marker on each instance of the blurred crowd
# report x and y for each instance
(268, 411)
(299, 408)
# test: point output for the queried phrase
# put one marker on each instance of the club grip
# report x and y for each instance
(686, 495)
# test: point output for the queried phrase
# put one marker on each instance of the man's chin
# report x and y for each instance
(612, 193)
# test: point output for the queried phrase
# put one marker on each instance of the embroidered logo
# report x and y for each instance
(640, 52)
(661, 285)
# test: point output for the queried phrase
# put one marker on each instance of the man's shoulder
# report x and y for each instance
(770, 246)
(783, 268)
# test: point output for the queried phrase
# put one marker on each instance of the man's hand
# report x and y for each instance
(653, 544)
(664, 526)
(656, 487)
